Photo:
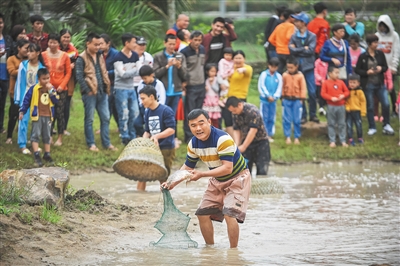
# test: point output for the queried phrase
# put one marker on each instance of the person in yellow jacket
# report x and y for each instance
(40, 98)
(356, 107)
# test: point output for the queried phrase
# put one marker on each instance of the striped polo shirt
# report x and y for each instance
(219, 146)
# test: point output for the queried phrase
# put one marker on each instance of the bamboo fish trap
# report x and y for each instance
(141, 160)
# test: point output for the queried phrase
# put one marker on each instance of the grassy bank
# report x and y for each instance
(76, 156)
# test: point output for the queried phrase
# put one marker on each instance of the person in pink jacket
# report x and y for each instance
(320, 72)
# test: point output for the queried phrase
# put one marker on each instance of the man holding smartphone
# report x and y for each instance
(195, 90)
(170, 68)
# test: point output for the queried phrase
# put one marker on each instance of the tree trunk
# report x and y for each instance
(171, 12)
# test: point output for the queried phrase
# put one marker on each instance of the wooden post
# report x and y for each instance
(37, 7)
(242, 9)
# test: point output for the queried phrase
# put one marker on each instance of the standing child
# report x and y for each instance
(320, 72)
(293, 94)
(334, 91)
(40, 98)
(211, 101)
(225, 70)
(146, 74)
(356, 107)
(160, 127)
(26, 78)
(355, 49)
(270, 89)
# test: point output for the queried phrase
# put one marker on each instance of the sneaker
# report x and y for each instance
(303, 121)
(371, 131)
(351, 142)
(388, 130)
(26, 151)
(38, 161)
(48, 158)
(314, 119)
(361, 140)
(321, 111)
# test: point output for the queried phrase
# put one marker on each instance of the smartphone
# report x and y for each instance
(178, 57)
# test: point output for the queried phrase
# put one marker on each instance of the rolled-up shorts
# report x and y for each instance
(41, 128)
(229, 198)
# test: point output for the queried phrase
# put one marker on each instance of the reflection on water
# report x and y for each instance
(329, 214)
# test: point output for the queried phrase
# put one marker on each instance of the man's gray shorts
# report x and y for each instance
(41, 128)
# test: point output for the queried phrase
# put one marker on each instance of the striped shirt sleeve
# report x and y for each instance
(191, 157)
(226, 148)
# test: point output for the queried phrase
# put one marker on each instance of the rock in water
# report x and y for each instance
(46, 184)
(173, 225)
(314, 130)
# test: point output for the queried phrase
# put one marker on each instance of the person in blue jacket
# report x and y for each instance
(351, 26)
(270, 89)
(336, 52)
(302, 46)
(26, 78)
(109, 53)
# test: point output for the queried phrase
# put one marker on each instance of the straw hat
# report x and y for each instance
(141, 160)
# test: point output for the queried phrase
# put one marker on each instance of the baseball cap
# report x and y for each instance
(354, 77)
(302, 17)
(141, 40)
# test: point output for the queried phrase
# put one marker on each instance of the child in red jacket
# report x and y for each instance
(335, 92)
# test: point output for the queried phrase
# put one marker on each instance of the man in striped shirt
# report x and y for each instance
(228, 190)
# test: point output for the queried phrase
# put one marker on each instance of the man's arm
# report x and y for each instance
(80, 76)
(160, 70)
(237, 137)
(248, 140)
(225, 169)
(231, 33)
(119, 70)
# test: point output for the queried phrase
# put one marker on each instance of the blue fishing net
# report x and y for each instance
(173, 225)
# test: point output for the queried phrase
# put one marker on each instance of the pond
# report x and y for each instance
(329, 214)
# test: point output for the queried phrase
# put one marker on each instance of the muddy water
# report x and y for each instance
(329, 214)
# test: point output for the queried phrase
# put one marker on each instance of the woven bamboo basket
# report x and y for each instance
(141, 160)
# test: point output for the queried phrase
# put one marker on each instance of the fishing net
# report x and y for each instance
(263, 186)
(141, 160)
(173, 225)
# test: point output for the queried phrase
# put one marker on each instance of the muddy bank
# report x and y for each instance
(88, 230)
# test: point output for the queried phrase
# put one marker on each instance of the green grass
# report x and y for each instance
(75, 155)
(253, 52)
(50, 214)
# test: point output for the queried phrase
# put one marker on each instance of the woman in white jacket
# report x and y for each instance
(389, 44)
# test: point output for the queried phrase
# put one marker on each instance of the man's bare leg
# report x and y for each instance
(207, 228)
(233, 231)
(141, 186)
